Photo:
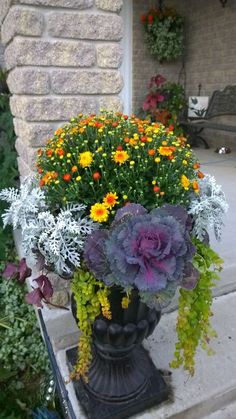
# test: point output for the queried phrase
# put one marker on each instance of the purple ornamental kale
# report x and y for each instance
(94, 253)
(129, 210)
(148, 251)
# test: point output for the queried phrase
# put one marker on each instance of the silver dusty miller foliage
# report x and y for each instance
(58, 237)
(25, 203)
(208, 208)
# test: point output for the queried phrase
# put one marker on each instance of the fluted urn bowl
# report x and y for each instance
(121, 368)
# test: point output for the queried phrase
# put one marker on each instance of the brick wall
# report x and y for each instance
(210, 56)
(2, 65)
(63, 58)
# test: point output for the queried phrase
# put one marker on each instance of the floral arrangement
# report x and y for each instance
(164, 33)
(119, 201)
(164, 102)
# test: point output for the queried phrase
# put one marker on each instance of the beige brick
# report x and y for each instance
(25, 152)
(109, 55)
(111, 103)
(86, 82)
(49, 53)
(51, 108)
(21, 21)
(5, 4)
(77, 4)
(29, 81)
(24, 169)
(36, 134)
(109, 5)
(85, 26)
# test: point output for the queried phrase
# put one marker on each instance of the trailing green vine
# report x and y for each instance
(91, 298)
(193, 322)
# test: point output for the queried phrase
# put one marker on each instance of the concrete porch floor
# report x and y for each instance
(211, 393)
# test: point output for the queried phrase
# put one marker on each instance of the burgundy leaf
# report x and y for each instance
(10, 271)
(45, 286)
(35, 297)
(24, 271)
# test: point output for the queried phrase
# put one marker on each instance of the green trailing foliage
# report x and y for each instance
(91, 297)
(194, 313)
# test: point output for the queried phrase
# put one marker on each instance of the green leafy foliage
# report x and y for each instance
(164, 33)
(165, 102)
(23, 357)
(194, 314)
(21, 343)
(91, 298)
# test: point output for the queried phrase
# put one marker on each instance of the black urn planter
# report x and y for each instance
(122, 379)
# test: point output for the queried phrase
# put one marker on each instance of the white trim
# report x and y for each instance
(127, 45)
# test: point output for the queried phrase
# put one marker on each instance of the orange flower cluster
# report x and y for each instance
(110, 159)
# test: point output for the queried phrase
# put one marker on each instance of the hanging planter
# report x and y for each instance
(164, 33)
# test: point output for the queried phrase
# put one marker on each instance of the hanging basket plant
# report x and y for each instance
(164, 33)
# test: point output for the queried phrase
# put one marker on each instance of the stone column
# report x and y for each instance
(63, 58)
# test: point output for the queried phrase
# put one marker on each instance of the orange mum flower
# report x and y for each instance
(151, 152)
(195, 186)
(165, 151)
(48, 177)
(200, 175)
(110, 200)
(120, 157)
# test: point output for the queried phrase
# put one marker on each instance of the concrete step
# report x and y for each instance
(213, 388)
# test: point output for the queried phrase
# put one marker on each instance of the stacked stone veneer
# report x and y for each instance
(63, 58)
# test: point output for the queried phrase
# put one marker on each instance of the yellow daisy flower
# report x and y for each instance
(99, 212)
(85, 159)
(185, 182)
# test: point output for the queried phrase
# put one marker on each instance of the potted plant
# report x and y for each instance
(164, 30)
(165, 102)
(120, 206)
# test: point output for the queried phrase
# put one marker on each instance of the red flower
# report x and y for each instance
(60, 152)
(119, 147)
(143, 18)
(156, 189)
(67, 177)
(96, 176)
(49, 152)
(150, 19)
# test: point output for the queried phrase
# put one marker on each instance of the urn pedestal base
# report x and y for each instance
(121, 387)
